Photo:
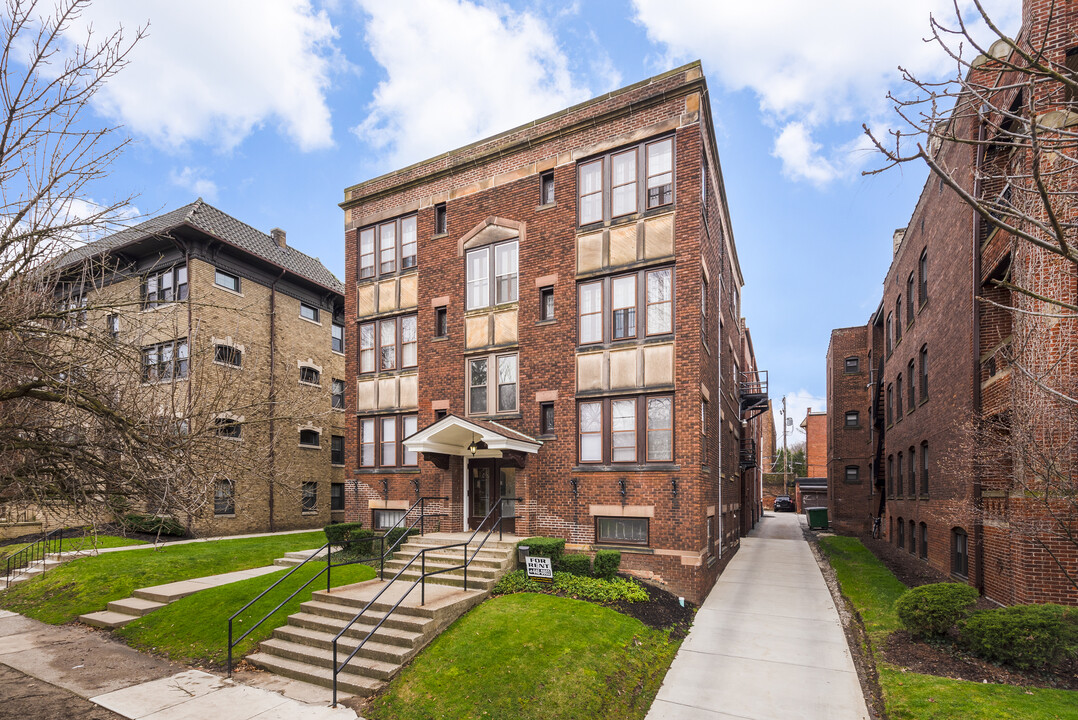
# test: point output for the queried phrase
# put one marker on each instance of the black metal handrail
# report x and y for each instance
(420, 581)
(51, 543)
(381, 556)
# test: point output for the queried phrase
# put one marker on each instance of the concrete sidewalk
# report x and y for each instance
(134, 685)
(767, 642)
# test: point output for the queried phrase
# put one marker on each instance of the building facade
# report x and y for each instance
(971, 441)
(551, 316)
(815, 427)
(851, 490)
(238, 331)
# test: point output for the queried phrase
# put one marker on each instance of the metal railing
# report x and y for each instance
(380, 557)
(421, 581)
(51, 543)
(748, 454)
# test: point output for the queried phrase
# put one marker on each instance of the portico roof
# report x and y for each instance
(452, 435)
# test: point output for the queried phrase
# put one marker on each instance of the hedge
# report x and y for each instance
(396, 534)
(607, 563)
(549, 547)
(576, 564)
(153, 525)
(1029, 637)
(931, 610)
(354, 542)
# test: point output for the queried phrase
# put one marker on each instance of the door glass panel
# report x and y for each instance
(507, 486)
(480, 491)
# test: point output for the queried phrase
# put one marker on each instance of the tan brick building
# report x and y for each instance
(240, 330)
(553, 314)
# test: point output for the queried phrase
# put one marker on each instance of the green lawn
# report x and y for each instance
(194, 630)
(88, 584)
(530, 656)
(77, 543)
(873, 589)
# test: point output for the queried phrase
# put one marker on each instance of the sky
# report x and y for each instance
(268, 109)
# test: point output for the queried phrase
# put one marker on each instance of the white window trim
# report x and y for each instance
(229, 290)
(309, 363)
(301, 428)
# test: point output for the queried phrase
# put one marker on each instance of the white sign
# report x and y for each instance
(540, 568)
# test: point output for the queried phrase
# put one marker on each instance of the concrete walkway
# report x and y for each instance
(767, 642)
(134, 685)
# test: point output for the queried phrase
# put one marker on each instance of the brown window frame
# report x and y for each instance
(890, 403)
(642, 430)
(180, 290)
(178, 365)
(922, 277)
(898, 398)
(546, 188)
(336, 497)
(373, 264)
(337, 343)
(959, 560)
(441, 322)
(924, 468)
(492, 277)
(491, 386)
(546, 303)
(923, 544)
(377, 443)
(640, 311)
(911, 389)
(315, 313)
(898, 320)
(642, 176)
(909, 300)
(599, 540)
(314, 445)
(856, 415)
(441, 219)
(924, 372)
(547, 418)
(890, 337)
(912, 456)
(398, 345)
(336, 452)
(856, 365)
(899, 475)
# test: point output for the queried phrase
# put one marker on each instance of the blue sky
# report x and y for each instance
(269, 109)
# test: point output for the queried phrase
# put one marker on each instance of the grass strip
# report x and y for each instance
(531, 656)
(88, 584)
(873, 590)
(194, 630)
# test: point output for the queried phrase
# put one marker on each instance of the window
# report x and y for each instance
(165, 361)
(113, 323)
(336, 450)
(310, 438)
(924, 468)
(309, 375)
(635, 177)
(546, 303)
(338, 338)
(498, 261)
(336, 496)
(890, 403)
(441, 322)
(923, 544)
(387, 248)
(386, 519)
(959, 552)
(853, 474)
(308, 312)
(625, 442)
(337, 394)
(899, 475)
(489, 395)
(922, 277)
(900, 538)
(703, 415)
(890, 331)
(224, 498)
(909, 300)
(165, 286)
(366, 348)
(853, 418)
(225, 280)
(381, 441)
(366, 253)
(624, 305)
(591, 313)
(440, 413)
(408, 242)
(546, 418)
(546, 188)
(228, 427)
(703, 310)
(898, 398)
(890, 476)
(75, 305)
(228, 355)
(924, 373)
(913, 472)
(630, 531)
(913, 538)
(409, 341)
(309, 500)
(396, 339)
(912, 385)
(441, 225)
(853, 365)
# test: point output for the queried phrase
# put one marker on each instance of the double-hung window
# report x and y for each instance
(337, 394)
(498, 261)
(387, 247)
(492, 384)
(164, 286)
(622, 183)
(224, 498)
(623, 307)
(626, 430)
(381, 441)
(308, 312)
(165, 361)
(338, 338)
(226, 280)
(618, 317)
(388, 344)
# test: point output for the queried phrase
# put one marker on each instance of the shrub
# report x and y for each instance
(339, 533)
(515, 582)
(552, 548)
(576, 564)
(932, 610)
(401, 534)
(1029, 637)
(607, 563)
(354, 542)
(153, 525)
(599, 590)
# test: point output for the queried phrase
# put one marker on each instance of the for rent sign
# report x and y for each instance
(539, 569)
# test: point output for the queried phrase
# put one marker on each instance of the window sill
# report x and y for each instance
(439, 338)
(546, 436)
(307, 384)
(337, 352)
(338, 409)
(552, 321)
(310, 447)
(621, 547)
(922, 306)
(230, 366)
(627, 467)
(312, 322)
(224, 515)
(336, 465)
(438, 236)
(546, 206)
(385, 470)
(160, 306)
(922, 402)
(500, 307)
(228, 290)
(517, 415)
(309, 512)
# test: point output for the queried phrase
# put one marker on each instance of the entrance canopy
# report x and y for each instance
(453, 435)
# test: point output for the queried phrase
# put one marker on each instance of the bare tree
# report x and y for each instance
(1002, 135)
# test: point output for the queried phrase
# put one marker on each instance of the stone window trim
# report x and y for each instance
(643, 172)
(226, 344)
(313, 312)
(311, 431)
(227, 281)
(642, 431)
(492, 385)
(383, 357)
(309, 365)
(387, 248)
(643, 328)
(606, 530)
(372, 443)
(228, 420)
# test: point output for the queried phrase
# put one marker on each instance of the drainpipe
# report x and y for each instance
(273, 396)
(978, 503)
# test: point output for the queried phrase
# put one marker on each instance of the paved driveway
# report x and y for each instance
(767, 642)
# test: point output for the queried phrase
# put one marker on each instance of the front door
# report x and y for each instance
(482, 490)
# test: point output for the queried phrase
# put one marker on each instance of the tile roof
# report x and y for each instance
(208, 219)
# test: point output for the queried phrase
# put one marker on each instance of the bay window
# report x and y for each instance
(499, 260)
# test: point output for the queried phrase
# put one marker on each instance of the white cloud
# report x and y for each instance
(211, 71)
(797, 407)
(195, 180)
(457, 71)
(810, 65)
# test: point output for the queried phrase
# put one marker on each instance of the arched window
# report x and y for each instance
(924, 541)
(900, 538)
(913, 538)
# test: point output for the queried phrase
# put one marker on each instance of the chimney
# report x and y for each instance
(278, 236)
(899, 234)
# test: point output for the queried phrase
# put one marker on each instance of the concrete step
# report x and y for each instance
(395, 566)
(346, 682)
(291, 559)
(487, 552)
(388, 633)
(323, 658)
(107, 619)
(373, 649)
(452, 579)
(134, 606)
(449, 558)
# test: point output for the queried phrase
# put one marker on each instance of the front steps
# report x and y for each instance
(303, 649)
(33, 569)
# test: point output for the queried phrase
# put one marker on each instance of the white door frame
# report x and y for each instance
(467, 484)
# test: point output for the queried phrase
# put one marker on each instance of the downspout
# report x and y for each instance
(273, 395)
(978, 502)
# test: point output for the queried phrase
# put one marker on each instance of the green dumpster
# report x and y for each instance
(817, 518)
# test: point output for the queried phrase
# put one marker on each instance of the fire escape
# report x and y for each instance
(752, 391)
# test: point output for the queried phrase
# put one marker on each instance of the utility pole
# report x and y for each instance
(785, 451)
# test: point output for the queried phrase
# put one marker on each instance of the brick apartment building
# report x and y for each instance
(553, 314)
(238, 329)
(911, 393)
(815, 427)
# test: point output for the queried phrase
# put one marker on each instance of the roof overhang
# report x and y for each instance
(452, 435)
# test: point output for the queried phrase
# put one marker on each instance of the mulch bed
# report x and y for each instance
(661, 611)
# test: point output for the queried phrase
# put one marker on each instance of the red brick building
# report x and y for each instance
(943, 360)
(553, 314)
(815, 427)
